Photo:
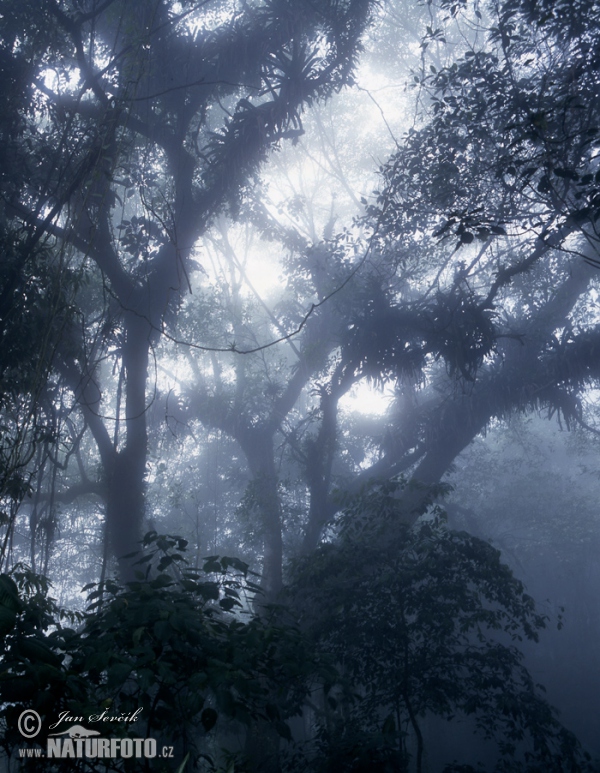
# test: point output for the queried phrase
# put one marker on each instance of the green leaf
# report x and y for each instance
(162, 581)
(283, 730)
(164, 562)
(208, 718)
(568, 174)
(228, 603)
(389, 725)
(181, 768)
(236, 563)
(8, 619)
(163, 630)
(544, 185)
(208, 590)
(213, 565)
(9, 594)
(137, 635)
(37, 650)
(118, 673)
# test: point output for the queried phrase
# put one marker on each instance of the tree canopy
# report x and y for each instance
(267, 264)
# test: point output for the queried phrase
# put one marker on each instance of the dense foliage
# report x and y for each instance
(423, 620)
(170, 649)
(390, 631)
(212, 325)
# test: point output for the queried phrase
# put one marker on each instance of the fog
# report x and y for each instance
(299, 406)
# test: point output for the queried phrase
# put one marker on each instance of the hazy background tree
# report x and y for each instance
(137, 152)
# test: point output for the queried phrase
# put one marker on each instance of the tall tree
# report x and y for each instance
(463, 289)
(503, 173)
(145, 121)
(469, 291)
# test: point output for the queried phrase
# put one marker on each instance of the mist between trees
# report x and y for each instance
(299, 364)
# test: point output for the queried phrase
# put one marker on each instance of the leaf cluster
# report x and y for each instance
(510, 143)
(181, 644)
(423, 620)
(389, 339)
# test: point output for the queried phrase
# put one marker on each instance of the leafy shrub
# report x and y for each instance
(182, 645)
(398, 623)
(422, 620)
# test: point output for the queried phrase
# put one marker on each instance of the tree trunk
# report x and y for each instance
(258, 448)
(319, 461)
(125, 505)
